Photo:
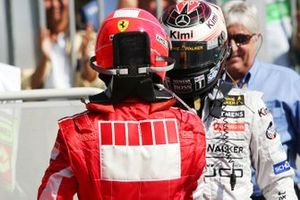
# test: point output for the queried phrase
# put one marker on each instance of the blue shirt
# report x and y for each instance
(281, 88)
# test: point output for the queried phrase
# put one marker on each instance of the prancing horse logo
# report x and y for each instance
(123, 25)
(182, 20)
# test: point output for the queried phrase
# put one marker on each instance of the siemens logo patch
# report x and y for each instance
(281, 167)
(233, 114)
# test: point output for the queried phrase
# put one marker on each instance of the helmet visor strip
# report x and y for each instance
(191, 54)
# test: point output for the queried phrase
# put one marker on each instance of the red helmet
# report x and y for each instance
(131, 42)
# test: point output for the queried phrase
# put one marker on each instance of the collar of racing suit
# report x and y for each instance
(107, 108)
(159, 94)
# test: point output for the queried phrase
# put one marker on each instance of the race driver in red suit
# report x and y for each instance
(130, 143)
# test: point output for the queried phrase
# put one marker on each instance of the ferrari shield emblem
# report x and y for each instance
(123, 25)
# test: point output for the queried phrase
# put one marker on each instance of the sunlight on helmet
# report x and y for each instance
(199, 45)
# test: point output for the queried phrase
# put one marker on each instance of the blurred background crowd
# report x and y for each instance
(51, 41)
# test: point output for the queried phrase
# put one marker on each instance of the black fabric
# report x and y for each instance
(216, 104)
(258, 198)
(131, 50)
(144, 90)
(100, 98)
(123, 87)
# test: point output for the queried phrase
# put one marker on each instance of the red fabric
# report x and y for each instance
(159, 138)
(134, 135)
(79, 142)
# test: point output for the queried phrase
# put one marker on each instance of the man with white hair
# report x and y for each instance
(280, 85)
(240, 133)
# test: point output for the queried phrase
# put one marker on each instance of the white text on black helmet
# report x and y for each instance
(199, 82)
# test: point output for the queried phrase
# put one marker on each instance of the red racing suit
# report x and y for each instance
(126, 151)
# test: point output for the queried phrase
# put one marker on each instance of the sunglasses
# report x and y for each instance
(240, 39)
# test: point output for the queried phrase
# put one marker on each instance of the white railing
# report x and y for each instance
(46, 94)
(28, 130)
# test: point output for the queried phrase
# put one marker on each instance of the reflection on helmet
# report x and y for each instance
(199, 45)
(131, 50)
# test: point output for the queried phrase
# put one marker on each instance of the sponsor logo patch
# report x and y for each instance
(281, 167)
(123, 25)
(234, 100)
(199, 82)
(162, 40)
(182, 86)
(213, 72)
(182, 20)
(263, 112)
(233, 114)
(235, 127)
(225, 148)
(281, 195)
(271, 132)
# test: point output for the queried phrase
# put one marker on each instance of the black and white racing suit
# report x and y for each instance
(243, 136)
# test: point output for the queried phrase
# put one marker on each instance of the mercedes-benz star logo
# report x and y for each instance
(182, 20)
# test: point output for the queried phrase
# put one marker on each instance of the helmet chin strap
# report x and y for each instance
(125, 84)
(232, 80)
(141, 70)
